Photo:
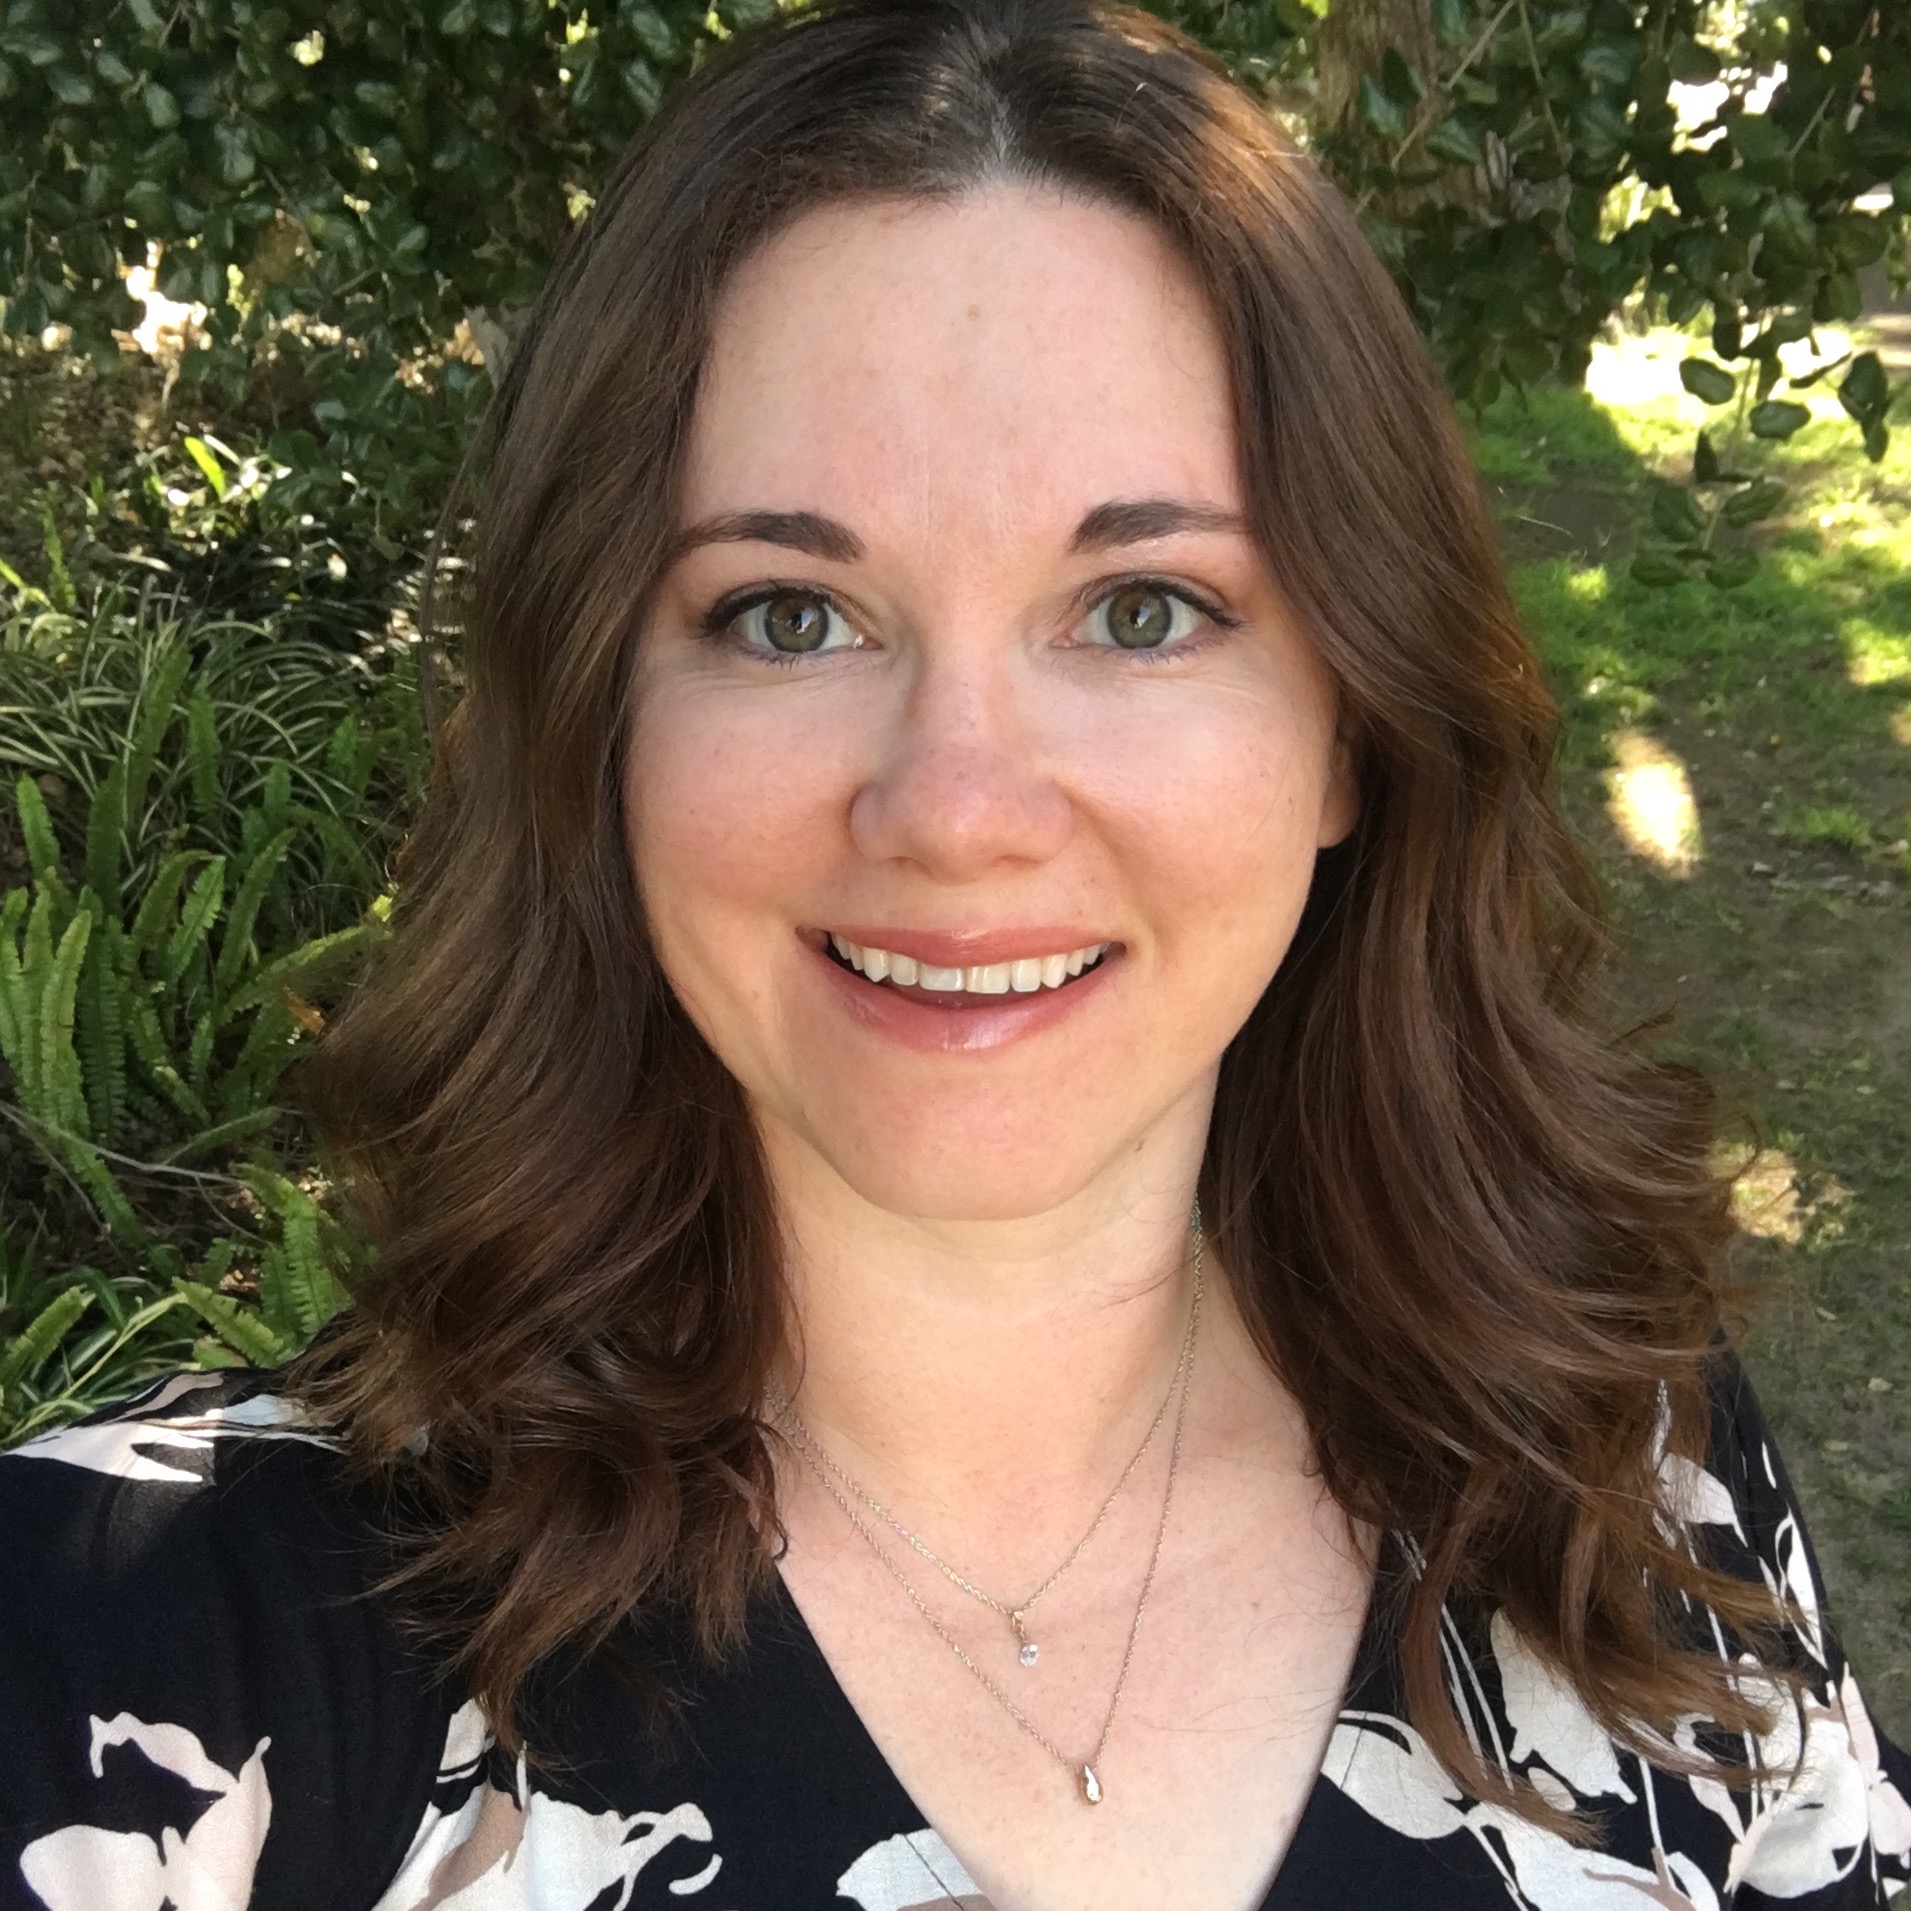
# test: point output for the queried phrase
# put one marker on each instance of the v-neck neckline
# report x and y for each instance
(1298, 1863)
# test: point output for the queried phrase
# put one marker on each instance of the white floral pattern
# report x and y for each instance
(208, 1867)
(1819, 1812)
(1823, 1824)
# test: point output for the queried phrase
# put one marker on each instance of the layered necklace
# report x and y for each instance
(848, 1492)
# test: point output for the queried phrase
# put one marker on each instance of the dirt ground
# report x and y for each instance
(1777, 928)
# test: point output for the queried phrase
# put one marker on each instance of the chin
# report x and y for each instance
(954, 1178)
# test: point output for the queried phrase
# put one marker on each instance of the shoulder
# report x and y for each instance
(194, 1670)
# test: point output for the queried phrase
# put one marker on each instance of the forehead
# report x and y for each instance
(984, 362)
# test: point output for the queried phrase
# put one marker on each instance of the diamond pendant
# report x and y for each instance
(1091, 1786)
(1030, 1650)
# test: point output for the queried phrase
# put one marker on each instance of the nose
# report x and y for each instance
(961, 785)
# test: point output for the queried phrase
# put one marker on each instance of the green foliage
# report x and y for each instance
(1541, 177)
(338, 185)
(160, 968)
(341, 186)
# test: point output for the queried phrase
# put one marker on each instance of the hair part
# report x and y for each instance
(1470, 1233)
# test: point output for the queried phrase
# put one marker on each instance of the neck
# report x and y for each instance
(958, 1368)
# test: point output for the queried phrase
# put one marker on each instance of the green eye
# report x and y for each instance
(794, 623)
(1144, 617)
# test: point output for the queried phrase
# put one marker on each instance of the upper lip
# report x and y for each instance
(969, 948)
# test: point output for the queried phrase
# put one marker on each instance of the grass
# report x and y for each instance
(1741, 764)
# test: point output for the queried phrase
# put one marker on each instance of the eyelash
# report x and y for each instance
(716, 623)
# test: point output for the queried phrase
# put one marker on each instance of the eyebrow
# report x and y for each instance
(1119, 521)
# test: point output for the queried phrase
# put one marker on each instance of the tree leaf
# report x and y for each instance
(1711, 383)
(1454, 142)
(1757, 501)
(1676, 514)
(1778, 418)
(1452, 20)
(1385, 118)
(1866, 392)
(1659, 570)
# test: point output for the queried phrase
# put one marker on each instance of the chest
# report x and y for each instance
(1229, 1691)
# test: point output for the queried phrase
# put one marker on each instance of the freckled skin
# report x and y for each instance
(974, 764)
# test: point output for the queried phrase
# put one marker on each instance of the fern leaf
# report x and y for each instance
(269, 1045)
(61, 1090)
(312, 1296)
(196, 918)
(276, 804)
(15, 1011)
(241, 1328)
(343, 755)
(321, 952)
(156, 907)
(149, 1044)
(105, 837)
(218, 1262)
(222, 1135)
(199, 1053)
(202, 755)
(30, 1349)
(156, 709)
(36, 827)
(102, 1040)
(348, 860)
(36, 963)
(237, 940)
(108, 1196)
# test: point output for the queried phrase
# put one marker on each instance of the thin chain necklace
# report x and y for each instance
(1083, 1771)
(1016, 1613)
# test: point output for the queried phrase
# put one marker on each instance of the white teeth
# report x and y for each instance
(1025, 975)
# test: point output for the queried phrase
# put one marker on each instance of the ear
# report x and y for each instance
(1340, 802)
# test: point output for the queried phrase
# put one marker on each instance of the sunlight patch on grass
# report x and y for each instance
(1901, 725)
(1875, 656)
(1767, 1199)
(1649, 798)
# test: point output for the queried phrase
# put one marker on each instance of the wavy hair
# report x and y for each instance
(1472, 1234)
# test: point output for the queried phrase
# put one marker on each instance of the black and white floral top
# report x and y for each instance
(200, 1712)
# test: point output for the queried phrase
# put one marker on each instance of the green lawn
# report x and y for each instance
(1741, 763)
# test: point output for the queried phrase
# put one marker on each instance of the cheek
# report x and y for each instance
(729, 802)
(1217, 821)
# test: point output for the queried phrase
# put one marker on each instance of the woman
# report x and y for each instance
(1008, 1275)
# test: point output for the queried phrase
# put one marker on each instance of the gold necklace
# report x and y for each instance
(1082, 1771)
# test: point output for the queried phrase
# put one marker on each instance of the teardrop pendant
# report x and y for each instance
(1030, 1651)
(1091, 1786)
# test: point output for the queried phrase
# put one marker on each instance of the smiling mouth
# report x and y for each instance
(1027, 975)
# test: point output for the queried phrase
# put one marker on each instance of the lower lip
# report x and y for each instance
(994, 1021)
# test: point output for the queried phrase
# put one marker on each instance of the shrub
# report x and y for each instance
(210, 871)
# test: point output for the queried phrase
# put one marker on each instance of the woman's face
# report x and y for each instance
(968, 678)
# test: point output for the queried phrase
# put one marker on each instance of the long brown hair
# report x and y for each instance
(1472, 1235)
